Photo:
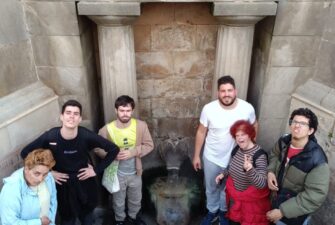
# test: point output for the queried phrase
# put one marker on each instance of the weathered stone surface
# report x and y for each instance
(144, 108)
(294, 50)
(109, 8)
(25, 114)
(197, 13)
(259, 62)
(175, 107)
(18, 136)
(208, 87)
(86, 42)
(325, 215)
(303, 18)
(170, 87)
(321, 91)
(276, 105)
(325, 70)
(244, 8)
(12, 26)
(5, 147)
(176, 127)
(9, 164)
(64, 80)
(176, 88)
(145, 88)
(51, 18)
(142, 38)
(17, 68)
(23, 101)
(194, 63)
(206, 37)
(329, 101)
(329, 32)
(156, 13)
(154, 64)
(284, 80)
(173, 37)
(270, 130)
(57, 51)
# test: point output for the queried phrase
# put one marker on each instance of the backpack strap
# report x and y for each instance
(257, 155)
(233, 152)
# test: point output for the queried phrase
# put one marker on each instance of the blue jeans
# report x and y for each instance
(215, 194)
(306, 222)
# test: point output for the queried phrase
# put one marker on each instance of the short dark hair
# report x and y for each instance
(227, 79)
(306, 112)
(245, 126)
(71, 102)
(124, 100)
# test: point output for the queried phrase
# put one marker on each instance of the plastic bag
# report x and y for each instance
(109, 178)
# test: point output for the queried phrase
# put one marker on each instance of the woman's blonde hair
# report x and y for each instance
(39, 156)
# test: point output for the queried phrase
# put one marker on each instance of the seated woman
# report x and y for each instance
(29, 194)
(246, 189)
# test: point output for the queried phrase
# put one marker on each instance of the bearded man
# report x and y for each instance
(213, 132)
(133, 138)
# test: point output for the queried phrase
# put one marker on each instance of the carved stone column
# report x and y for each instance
(235, 39)
(233, 51)
(117, 60)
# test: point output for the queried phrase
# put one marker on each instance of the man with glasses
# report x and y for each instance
(298, 173)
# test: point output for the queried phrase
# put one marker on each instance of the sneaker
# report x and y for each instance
(130, 221)
(119, 223)
(209, 218)
(222, 218)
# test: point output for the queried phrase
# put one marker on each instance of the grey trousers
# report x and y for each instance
(130, 187)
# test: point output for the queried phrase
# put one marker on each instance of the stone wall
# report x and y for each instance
(17, 68)
(175, 51)
(62, 44)
(23, 99)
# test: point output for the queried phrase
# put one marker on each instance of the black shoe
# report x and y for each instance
(130, 221)
(137, 221)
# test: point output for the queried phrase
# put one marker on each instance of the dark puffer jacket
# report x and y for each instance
(303, 183)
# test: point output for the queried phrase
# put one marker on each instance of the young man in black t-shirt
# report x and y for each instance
(74, 172)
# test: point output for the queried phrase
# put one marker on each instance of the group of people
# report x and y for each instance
(59, 175)
(244, 184)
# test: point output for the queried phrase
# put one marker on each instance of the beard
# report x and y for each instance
(124, 119)
(233, 99)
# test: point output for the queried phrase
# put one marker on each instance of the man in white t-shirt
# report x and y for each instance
(215, 121)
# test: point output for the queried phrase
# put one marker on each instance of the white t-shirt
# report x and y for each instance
(219, 143)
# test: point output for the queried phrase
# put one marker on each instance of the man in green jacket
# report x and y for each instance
(298, 173)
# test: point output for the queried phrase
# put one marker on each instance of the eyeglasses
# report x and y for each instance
(300, 123)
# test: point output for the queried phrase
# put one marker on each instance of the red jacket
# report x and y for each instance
(247, 207)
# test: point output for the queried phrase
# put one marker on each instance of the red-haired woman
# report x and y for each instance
(246, 188)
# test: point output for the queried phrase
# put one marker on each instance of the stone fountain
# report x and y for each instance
(174, 195)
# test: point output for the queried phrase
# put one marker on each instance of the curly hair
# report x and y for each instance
(39, 156)
(244, 126)
(306, 112)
